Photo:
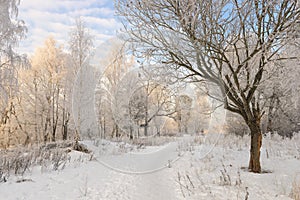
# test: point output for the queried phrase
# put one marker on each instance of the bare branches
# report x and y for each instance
(228, 40)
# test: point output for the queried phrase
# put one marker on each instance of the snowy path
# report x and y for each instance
(147, 174)
(93, 180)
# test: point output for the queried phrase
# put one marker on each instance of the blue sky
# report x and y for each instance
(56, 17)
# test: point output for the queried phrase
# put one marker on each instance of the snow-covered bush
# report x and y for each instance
(18, 161)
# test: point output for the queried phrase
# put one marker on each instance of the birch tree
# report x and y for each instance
(81, 48)
(228, 43)
(46, 88)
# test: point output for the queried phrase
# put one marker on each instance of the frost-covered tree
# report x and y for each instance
(80, 45)
(12, 30)
(42, 86)
(228, 43)
(42, 105)
(114, 65)
(81, 48)
(150, 103)
(281, 93)
(183, 110)
(201, 111)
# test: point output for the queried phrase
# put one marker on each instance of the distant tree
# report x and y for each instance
(201, 111)
(115, 64)
(229, 43)
(150, 102)
(45, 88)
(44, 96)
(183, 112)
(80, 44)
(281, 93)
(68, 84)
(81, 48)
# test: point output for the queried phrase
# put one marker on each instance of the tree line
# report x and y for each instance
(248, 50)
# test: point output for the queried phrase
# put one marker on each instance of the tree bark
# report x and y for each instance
(256, 142)
(146, 129)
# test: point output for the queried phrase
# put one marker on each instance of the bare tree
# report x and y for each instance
(150, 103)
(282, 94)
(81, 47)
(227, 42)
(183, 112)
(42, 87)
(115, 64)
(201, 111)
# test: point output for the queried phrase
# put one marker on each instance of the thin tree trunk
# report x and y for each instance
(35, 108)
(117, 131)
(131, 133)
(104, 129)
(46, 135)
(270, 114)
(146, 129)
(65, 127)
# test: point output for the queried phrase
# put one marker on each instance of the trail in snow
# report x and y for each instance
(94, 180)
(142, 162)
(146, 175)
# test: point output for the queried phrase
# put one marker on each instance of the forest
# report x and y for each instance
(201, 74)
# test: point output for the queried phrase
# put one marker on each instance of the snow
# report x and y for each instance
(193, 167)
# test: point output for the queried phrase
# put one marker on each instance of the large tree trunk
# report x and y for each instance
(256, 142)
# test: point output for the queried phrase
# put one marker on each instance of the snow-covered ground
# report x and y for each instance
(193, 167)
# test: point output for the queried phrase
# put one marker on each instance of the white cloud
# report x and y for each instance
(56, 17)
(109, 24)
(92, 12)
(55, 5)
